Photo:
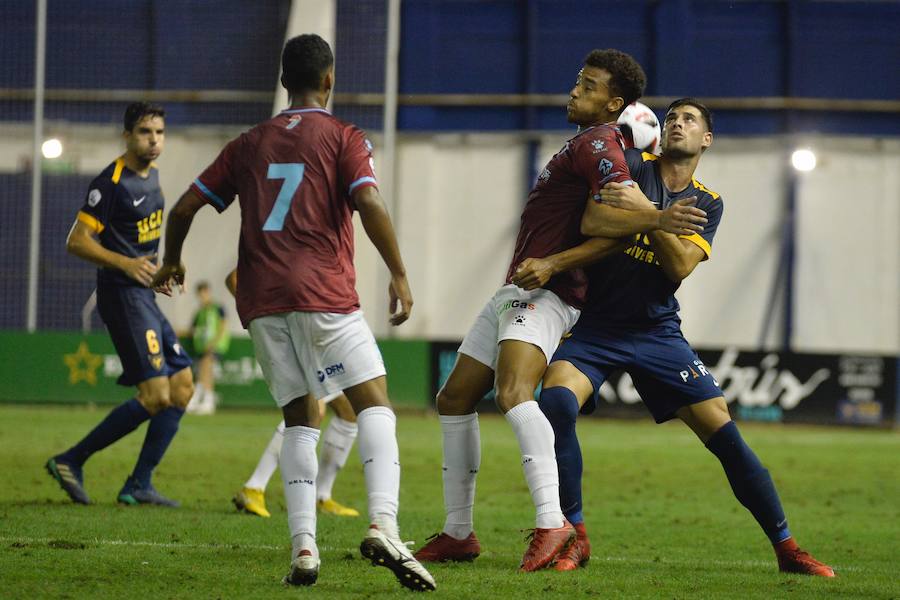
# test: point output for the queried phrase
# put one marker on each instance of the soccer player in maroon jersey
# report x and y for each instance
(299, 177)
(513, 338)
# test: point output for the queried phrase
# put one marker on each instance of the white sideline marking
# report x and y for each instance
(612, 559)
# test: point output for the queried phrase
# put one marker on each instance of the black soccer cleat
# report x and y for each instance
(69, 478)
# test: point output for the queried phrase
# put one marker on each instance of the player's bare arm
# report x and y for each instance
(82, 243)
(534, 273)
(677, 256)
(177, 226)
(380, 230)
(625, 210)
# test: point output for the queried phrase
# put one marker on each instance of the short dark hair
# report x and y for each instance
(138, 110)
(304, 61)
(202, 285)
(704, 112)
(627, 78)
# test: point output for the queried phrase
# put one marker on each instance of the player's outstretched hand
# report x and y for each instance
(682, 217)
(168, 276)
(400, 299)
(141, 268)
(624, 195)
(533, 273)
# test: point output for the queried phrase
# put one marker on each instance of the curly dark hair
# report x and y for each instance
(136, 111)
(707, 116)
(627, 78)
(304, 61)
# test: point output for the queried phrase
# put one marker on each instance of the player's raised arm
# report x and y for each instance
(177, 226)
(623, 210)
(378, 226)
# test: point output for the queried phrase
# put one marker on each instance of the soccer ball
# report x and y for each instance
(640, 127)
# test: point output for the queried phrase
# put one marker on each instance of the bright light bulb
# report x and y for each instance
(803, 159)
(52, 148)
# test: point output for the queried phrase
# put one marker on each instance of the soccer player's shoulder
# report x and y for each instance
(704, 192)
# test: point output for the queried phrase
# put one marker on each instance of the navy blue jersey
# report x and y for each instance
(630, 289)
(125, 210)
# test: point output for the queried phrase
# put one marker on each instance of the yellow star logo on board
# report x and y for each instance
(83, 365)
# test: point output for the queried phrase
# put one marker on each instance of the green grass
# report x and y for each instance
(662, 518)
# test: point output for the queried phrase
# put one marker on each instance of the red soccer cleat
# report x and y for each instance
(578, 554)
(443, 547)
(791, 559)
(546, 544)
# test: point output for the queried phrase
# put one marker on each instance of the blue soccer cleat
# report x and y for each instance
(133, 493)
(69, 478)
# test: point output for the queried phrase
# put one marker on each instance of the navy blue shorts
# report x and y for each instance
(666, 371)
(144, 340)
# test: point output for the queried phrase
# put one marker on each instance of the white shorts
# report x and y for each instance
(538, 317)
(314, 353)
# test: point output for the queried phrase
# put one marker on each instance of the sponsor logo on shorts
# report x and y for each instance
(519, 320)
(156, 361)
(336, 369)
(694, 371)
(94, 197)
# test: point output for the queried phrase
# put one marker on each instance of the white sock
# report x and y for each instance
(298, 472)
(268, 462)
(381, 463)
(462, 458)
(535, 435)
(337, 440)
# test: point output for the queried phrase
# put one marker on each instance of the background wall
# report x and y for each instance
(462, 172)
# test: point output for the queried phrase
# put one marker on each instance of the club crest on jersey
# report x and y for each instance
(94, 197)
(599, 146)
(694, 371)
(545, 174)
(605, 166)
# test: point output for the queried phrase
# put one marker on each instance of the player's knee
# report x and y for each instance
(155, 400)
(560, 406)
(511, 394)
(181, 394)
(453, 401)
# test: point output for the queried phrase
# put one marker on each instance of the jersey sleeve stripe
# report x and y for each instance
(91, 221)
(699, 241)
(362, 181)
(210, 195)
(117, 172)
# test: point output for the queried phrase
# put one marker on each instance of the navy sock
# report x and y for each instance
(121, 421)
(750, 481)
(561, 408)
(163, 427)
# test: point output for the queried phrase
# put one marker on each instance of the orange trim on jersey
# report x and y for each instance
(117, 172)
(699, 242)
(91, 221)
(703, 188)
(648, 156)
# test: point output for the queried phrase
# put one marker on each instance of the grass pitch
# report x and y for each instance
(662, 519)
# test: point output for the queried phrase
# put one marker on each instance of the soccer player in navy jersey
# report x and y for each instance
(630, 322)
(118, 229)
(518, 330)
(300, 176)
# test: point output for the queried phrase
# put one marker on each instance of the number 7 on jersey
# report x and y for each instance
(292, 173)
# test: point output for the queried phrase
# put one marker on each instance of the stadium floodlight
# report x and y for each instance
(52, 148)
(803, 159)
